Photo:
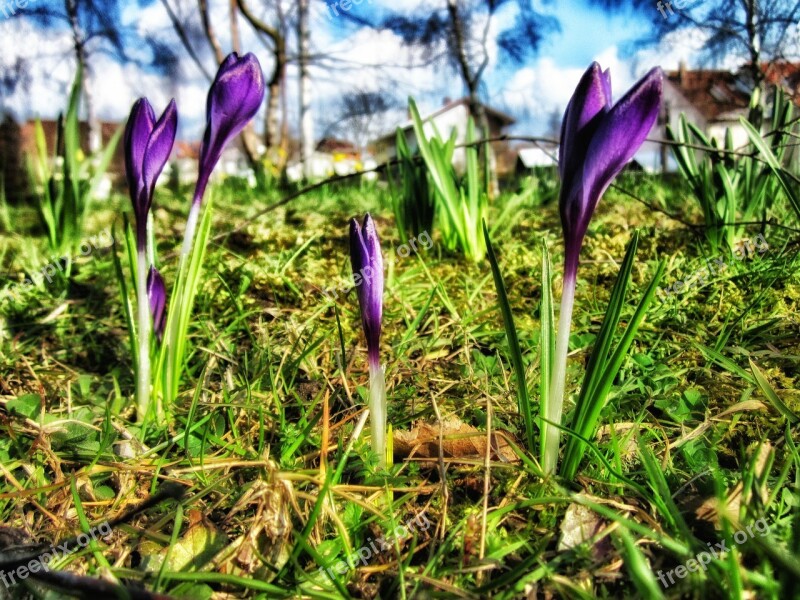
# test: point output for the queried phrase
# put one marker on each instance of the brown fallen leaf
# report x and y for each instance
(198, 545)
(269, 531)
(459, 440)
(710, 509)
(581, 524)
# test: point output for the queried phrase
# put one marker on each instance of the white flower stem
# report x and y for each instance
(554, 405)
(143, 306)
(191, 225)
(377, 409)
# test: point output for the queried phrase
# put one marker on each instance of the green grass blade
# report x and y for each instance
(639, 568)
(662, 497)
(514, 350)
(769, 394)
(598, 360)
(127, 306)
(772, 161)
(547, 332)
(592, 404)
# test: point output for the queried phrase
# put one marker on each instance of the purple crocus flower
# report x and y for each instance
(157, 296)
(234, 98)
(365, 256)
(597, 141)
(148, 144)
(367, 262)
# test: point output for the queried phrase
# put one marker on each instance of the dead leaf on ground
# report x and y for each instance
(459, 440)
(581, 524)
(194, 549)
(710, 509)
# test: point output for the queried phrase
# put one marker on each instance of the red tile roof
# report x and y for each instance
(712, 92)
(716, 92)
(785, 74)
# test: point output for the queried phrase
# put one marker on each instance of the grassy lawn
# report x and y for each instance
(280, 483)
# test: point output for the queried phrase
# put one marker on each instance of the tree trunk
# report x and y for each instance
(95, 130)
(284, 101)
(209, 31)
(753, 41)
(472, 83)
(306, 117)
(272, 136)
(235, 42)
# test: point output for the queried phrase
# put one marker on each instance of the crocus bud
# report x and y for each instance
(365, 256)
(597, 141)
(148, 144)
(234, 98)
(157, 295)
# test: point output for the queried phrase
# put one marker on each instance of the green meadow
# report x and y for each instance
(282, 494)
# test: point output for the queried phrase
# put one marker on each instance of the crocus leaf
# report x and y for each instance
(514, 350)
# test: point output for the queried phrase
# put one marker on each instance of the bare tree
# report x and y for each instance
(306, 116)
(276, 34)
(96, 28)
(248, 136)
(359, 114)
(456, 33)
(757, 31)
(271, 24)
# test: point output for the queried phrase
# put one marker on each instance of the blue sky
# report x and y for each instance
(587, 31)
(355, 58)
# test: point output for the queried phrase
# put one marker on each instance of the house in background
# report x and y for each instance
(786, 75)
(714, 100)
(338, 148)
(453, 115)
(530, 157)
(711, 99)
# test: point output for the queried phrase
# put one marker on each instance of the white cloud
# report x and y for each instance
(351, 58)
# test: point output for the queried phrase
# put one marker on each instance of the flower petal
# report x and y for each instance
(367, 262)
(234, 98)
(137, 133)
(595, 153)
(159, 147)
(620, 134)
(359, 255)
(592, 97)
